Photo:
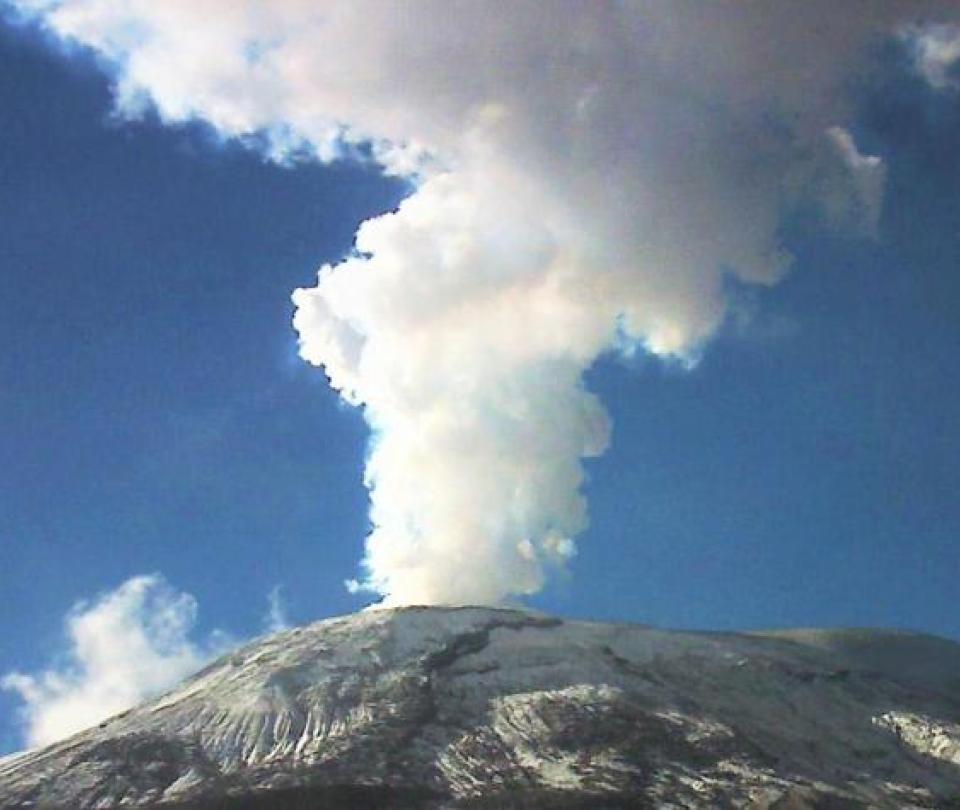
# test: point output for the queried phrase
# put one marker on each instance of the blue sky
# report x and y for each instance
(156, 417)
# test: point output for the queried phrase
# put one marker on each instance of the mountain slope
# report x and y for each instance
(476, 707)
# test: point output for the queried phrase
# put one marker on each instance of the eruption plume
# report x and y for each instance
(588, 177)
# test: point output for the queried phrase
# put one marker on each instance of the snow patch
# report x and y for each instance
(926, 735)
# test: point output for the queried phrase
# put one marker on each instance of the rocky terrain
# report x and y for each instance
(485, 708)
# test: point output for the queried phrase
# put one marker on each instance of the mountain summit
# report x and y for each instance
(487, 708)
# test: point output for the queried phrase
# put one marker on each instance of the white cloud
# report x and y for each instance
(276, 618)
(126, 645)
(589, 176)
(936, 53)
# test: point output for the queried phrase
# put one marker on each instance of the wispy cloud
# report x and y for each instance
(936, 53)
(276, 618)
(122, 647)
(851, 191)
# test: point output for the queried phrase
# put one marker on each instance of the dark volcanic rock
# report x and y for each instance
(482, 708)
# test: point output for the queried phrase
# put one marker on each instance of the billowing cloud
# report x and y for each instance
(126, 645)
(589, 177)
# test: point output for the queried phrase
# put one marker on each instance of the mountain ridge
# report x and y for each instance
(427, 707)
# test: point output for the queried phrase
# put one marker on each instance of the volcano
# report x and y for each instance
(490, 708)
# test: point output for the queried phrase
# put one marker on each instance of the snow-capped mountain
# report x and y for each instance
(477, 707)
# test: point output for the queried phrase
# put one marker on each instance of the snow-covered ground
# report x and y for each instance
(440, 707)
